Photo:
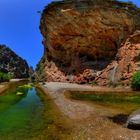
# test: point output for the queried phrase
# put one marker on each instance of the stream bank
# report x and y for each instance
(90, 121)
(55, 116)
(7, 85)
(30, 116)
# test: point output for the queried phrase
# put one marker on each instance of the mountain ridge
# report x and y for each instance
(11, 63)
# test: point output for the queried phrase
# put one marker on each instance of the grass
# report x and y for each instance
(107, 97)
(126, 102)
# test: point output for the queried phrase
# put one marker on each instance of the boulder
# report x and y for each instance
(133, 121)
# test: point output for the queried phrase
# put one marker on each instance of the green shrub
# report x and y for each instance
(136, 81)
(4, 77)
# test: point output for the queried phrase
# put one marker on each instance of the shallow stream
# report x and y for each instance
(29, 116)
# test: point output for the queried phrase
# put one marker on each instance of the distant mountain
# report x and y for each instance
(12, 63)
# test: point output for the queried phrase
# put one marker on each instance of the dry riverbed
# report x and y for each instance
(89, 121)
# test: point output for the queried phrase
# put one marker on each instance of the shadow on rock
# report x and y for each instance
(133, 127)
(133, 121)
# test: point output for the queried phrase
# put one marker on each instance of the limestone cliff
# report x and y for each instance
(90, 40)
(12, 63)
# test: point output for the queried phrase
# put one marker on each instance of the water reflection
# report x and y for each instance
(20, 115)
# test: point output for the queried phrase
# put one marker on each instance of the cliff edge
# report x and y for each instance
(90, 41)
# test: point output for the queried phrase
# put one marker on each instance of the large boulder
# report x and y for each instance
(13, 64)
(133, 121)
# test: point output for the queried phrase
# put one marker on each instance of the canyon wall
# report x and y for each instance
(90, 41)
(13, 64)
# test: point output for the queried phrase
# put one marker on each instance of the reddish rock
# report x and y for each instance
(127, 62)
(90, 40)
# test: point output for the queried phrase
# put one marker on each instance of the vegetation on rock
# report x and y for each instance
(12, 63)
(136, 81)
(4, 77)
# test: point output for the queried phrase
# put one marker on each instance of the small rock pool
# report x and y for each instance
(30, 115)
(125, 102)
(116, 106)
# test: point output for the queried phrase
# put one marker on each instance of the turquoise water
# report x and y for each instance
(21, 117)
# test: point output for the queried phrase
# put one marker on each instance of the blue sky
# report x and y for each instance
(19, 27)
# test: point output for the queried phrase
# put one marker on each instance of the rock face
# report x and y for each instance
(126, 63)
(90, 40)
(12, 63)
(133, 121)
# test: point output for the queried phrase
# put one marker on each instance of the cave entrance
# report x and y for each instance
(94, 62)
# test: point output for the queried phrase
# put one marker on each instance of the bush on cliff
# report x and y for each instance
(4, 77)
(136, 81)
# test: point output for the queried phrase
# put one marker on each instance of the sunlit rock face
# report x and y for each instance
(126, 63)
(85, 39)
(12, 63)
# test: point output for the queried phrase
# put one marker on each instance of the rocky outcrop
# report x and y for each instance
(126, 63)
(90, 40)
(13, 64)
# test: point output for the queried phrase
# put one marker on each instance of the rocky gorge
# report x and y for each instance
(90, 41)
(90, 47)
(13, 64)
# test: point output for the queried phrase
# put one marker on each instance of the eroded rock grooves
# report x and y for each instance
(90, 40)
